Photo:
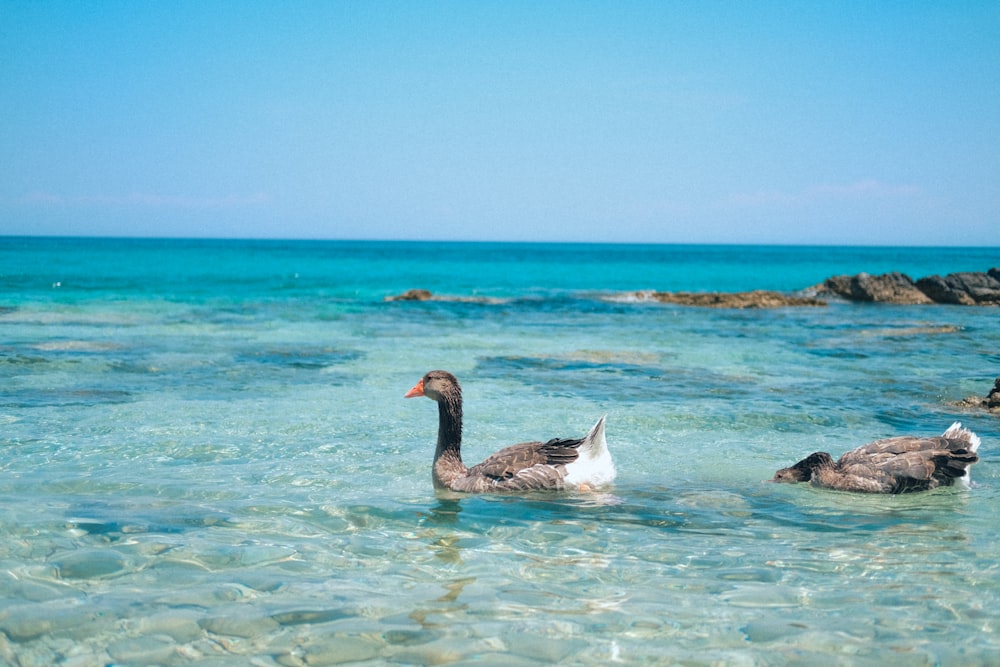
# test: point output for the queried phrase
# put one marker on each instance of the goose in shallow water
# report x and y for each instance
(561, 463)
(892, 465)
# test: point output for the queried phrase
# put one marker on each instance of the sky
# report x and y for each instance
(843, 123)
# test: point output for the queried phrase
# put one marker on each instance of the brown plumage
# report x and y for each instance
(892, 465)
(556, 464)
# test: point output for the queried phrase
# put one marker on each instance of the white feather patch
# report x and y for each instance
(594, 466)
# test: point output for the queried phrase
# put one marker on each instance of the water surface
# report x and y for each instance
(205, 457)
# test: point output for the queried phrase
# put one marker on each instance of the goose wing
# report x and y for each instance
(888, 447)
(528, 465)
(909, 463)
(510, 461)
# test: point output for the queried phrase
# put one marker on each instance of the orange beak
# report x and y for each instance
(418, 390)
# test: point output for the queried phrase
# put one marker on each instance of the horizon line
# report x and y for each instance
(279, 239)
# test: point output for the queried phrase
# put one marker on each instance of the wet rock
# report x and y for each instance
(967, 289)
(426, 295)
(885, 288)
(753, 299)
(991, 402)
(412, 295)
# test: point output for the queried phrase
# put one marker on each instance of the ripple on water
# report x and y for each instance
(37, 398)
(595, 375)
(232, 476)
(299, 357)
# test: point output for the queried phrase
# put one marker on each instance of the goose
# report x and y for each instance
(892, 465)
(561, 463)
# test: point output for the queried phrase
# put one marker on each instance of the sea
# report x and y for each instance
(206, 457)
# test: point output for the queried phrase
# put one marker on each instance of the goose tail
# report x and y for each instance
(957, 432)
(594, 466)
(961, 459)
(594, 443)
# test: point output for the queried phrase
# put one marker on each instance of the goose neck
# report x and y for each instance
(449, 424)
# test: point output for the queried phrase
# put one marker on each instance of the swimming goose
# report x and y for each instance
(892, 465)
(560, 463)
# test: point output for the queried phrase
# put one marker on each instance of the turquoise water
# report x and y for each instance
(205, 458)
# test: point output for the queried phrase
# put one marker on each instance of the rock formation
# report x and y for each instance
(886, 288)
(969, 288)
(991, 402)
(412, 295)
(754, 299)
(426, 295)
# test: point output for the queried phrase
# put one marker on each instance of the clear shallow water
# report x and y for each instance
(205, 457)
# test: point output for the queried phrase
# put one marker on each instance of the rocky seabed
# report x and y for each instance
(965, 289)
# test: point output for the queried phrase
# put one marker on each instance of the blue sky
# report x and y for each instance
(661, 122)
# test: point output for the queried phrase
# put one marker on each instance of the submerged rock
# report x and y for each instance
(90, 564)
(412, 295)
(239, 625)
(754, 299)
(334, 649)
(965, 288)
(426, 295)
(149, 650)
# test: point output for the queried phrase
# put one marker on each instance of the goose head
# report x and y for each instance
(436, 385)
(804, 469)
